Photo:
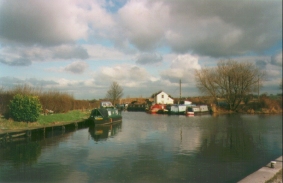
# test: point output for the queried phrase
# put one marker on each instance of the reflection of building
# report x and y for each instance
(102, 132)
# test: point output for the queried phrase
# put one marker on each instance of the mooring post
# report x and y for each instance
(272, 164)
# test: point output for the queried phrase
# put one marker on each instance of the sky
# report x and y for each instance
(82, 46)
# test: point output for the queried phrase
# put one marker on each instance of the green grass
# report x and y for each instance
(60, 118)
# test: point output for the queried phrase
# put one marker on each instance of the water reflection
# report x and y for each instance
(21, 154)
(147, 148)
(102, 132)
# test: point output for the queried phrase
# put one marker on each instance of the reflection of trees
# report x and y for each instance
(27, 151)
(22, 154)
(230, 140)
(144, 164)
(45, 173)
(102, 132)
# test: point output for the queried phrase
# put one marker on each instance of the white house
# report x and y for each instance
(162, 98)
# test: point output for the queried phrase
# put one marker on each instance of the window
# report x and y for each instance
(162, 96)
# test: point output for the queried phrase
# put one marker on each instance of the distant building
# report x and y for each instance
(162, 98)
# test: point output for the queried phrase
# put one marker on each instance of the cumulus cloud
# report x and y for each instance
(148, 58)
(77, 67)
(277, 59)
(143, 23)
(126, 75)
(213, 28)
(15, 61)
(41, 22)
(12, 82)
(182, 67)
(70, 52)
(25, 55)
(99, 52)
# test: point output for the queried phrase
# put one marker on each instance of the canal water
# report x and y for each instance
(147, 148)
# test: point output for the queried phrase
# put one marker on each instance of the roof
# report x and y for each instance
(153, 95)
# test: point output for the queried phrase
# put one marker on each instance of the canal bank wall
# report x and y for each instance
(265, 173)
(10, 135)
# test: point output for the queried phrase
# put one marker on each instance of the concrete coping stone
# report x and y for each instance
(265, 173)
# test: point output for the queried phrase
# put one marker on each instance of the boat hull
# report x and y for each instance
(106, 121)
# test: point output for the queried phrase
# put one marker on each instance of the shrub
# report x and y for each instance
(25, 108)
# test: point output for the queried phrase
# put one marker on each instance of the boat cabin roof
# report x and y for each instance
(106, 104)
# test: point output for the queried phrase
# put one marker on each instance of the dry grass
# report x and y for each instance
(276, 179)
(59, 102)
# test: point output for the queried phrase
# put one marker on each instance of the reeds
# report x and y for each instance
(58, 102)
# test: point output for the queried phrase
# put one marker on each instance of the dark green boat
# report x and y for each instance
(106, 114)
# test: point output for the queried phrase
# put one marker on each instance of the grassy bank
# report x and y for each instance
(53, 119)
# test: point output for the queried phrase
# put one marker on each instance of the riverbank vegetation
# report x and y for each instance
(51, 100)
(44, 120)
(263, 104)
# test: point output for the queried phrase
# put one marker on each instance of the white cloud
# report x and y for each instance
(212, 28)
(25, 55)
(41, 22)
(182, 67)
(126, 75)
(277, 59)
(142, 23)
(99, 52)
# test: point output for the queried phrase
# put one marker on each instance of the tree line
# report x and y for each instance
(230, 80)
(58, 102)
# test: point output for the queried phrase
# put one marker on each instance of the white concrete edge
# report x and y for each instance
(265, 173)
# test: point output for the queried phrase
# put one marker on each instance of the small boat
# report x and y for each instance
(189, 111)
(178, 109)
(199, 109)
(156, 108)
(106, 114)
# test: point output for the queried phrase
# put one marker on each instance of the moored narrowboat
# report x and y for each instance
(106, 114)
(199, 109)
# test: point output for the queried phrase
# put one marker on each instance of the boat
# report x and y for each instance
(156, 108)
(181, 108)
(177, 109)
(106, 114)
(199, 109)
(137, 107)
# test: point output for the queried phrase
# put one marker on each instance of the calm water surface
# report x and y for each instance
(148, 148)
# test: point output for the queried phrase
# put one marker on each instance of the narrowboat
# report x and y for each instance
(106, 114)
(177, 109)
(199, 109)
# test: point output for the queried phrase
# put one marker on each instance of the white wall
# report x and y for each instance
(163, 98)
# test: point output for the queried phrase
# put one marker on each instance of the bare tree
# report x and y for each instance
(230, 80)
(114, 93)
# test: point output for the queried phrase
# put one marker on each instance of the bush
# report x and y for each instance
(25, 108)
